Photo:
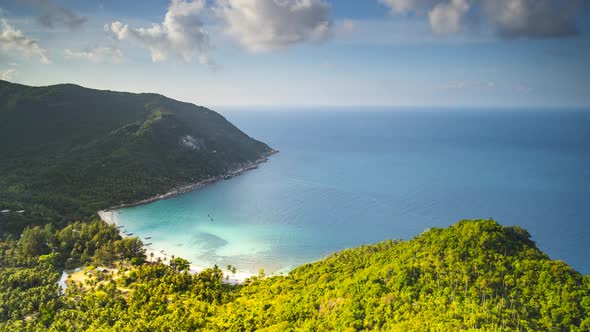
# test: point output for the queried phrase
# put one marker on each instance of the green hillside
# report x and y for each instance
(67, 151)
(475, 275)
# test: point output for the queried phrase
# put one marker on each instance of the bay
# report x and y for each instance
(348, 177)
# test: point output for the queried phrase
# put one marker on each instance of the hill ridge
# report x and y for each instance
(69, 151)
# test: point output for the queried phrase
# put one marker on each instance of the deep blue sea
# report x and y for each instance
(344, 178)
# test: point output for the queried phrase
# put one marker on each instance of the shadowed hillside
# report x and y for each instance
(67, 151)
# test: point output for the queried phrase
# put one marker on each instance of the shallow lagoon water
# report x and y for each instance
(345, 178)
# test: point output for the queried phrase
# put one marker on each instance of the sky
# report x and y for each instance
(307, 53)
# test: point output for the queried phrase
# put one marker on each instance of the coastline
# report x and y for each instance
(152, 253)
(194, 186)
(110, 215)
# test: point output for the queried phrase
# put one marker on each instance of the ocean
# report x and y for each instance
(349, 177)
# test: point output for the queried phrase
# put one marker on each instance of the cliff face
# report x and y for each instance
(68, 151)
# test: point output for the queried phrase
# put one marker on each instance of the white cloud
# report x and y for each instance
(445, 18)
(8, 75)
(533, 18)
(266, 25)
(402, 6)
(507, 18)
(12, 39)
(98, 54)
(181, 34)
(53, 14)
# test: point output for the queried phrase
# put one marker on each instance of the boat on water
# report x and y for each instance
(148, 237)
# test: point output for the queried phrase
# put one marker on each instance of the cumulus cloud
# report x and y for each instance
(533, 18)
(181, 34)
(12, 39)
(53, 14)
(406, 6)
(97, 54)
(8, 75)
(266, 25)
(445, 18)
(507, 18)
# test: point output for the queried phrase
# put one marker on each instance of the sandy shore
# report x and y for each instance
(110, 216)
(152, 253)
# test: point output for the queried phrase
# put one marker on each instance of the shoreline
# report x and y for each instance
(109, 215)
(152, 253)
(194, 186)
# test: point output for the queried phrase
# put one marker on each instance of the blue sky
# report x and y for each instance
(291, 53)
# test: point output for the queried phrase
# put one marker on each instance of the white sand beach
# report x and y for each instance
(110, 215)
(153, 253)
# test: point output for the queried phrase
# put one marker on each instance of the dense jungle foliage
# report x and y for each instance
(473, 275)
(67, 151)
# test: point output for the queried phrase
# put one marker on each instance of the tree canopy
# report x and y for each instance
(474, 275)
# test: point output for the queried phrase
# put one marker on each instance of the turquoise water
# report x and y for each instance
(346, 178)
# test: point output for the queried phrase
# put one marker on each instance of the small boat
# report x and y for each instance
(129, 234)
(148, 237)
(148, 244)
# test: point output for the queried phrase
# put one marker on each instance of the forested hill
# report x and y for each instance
(68, 151)
(476, 275)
